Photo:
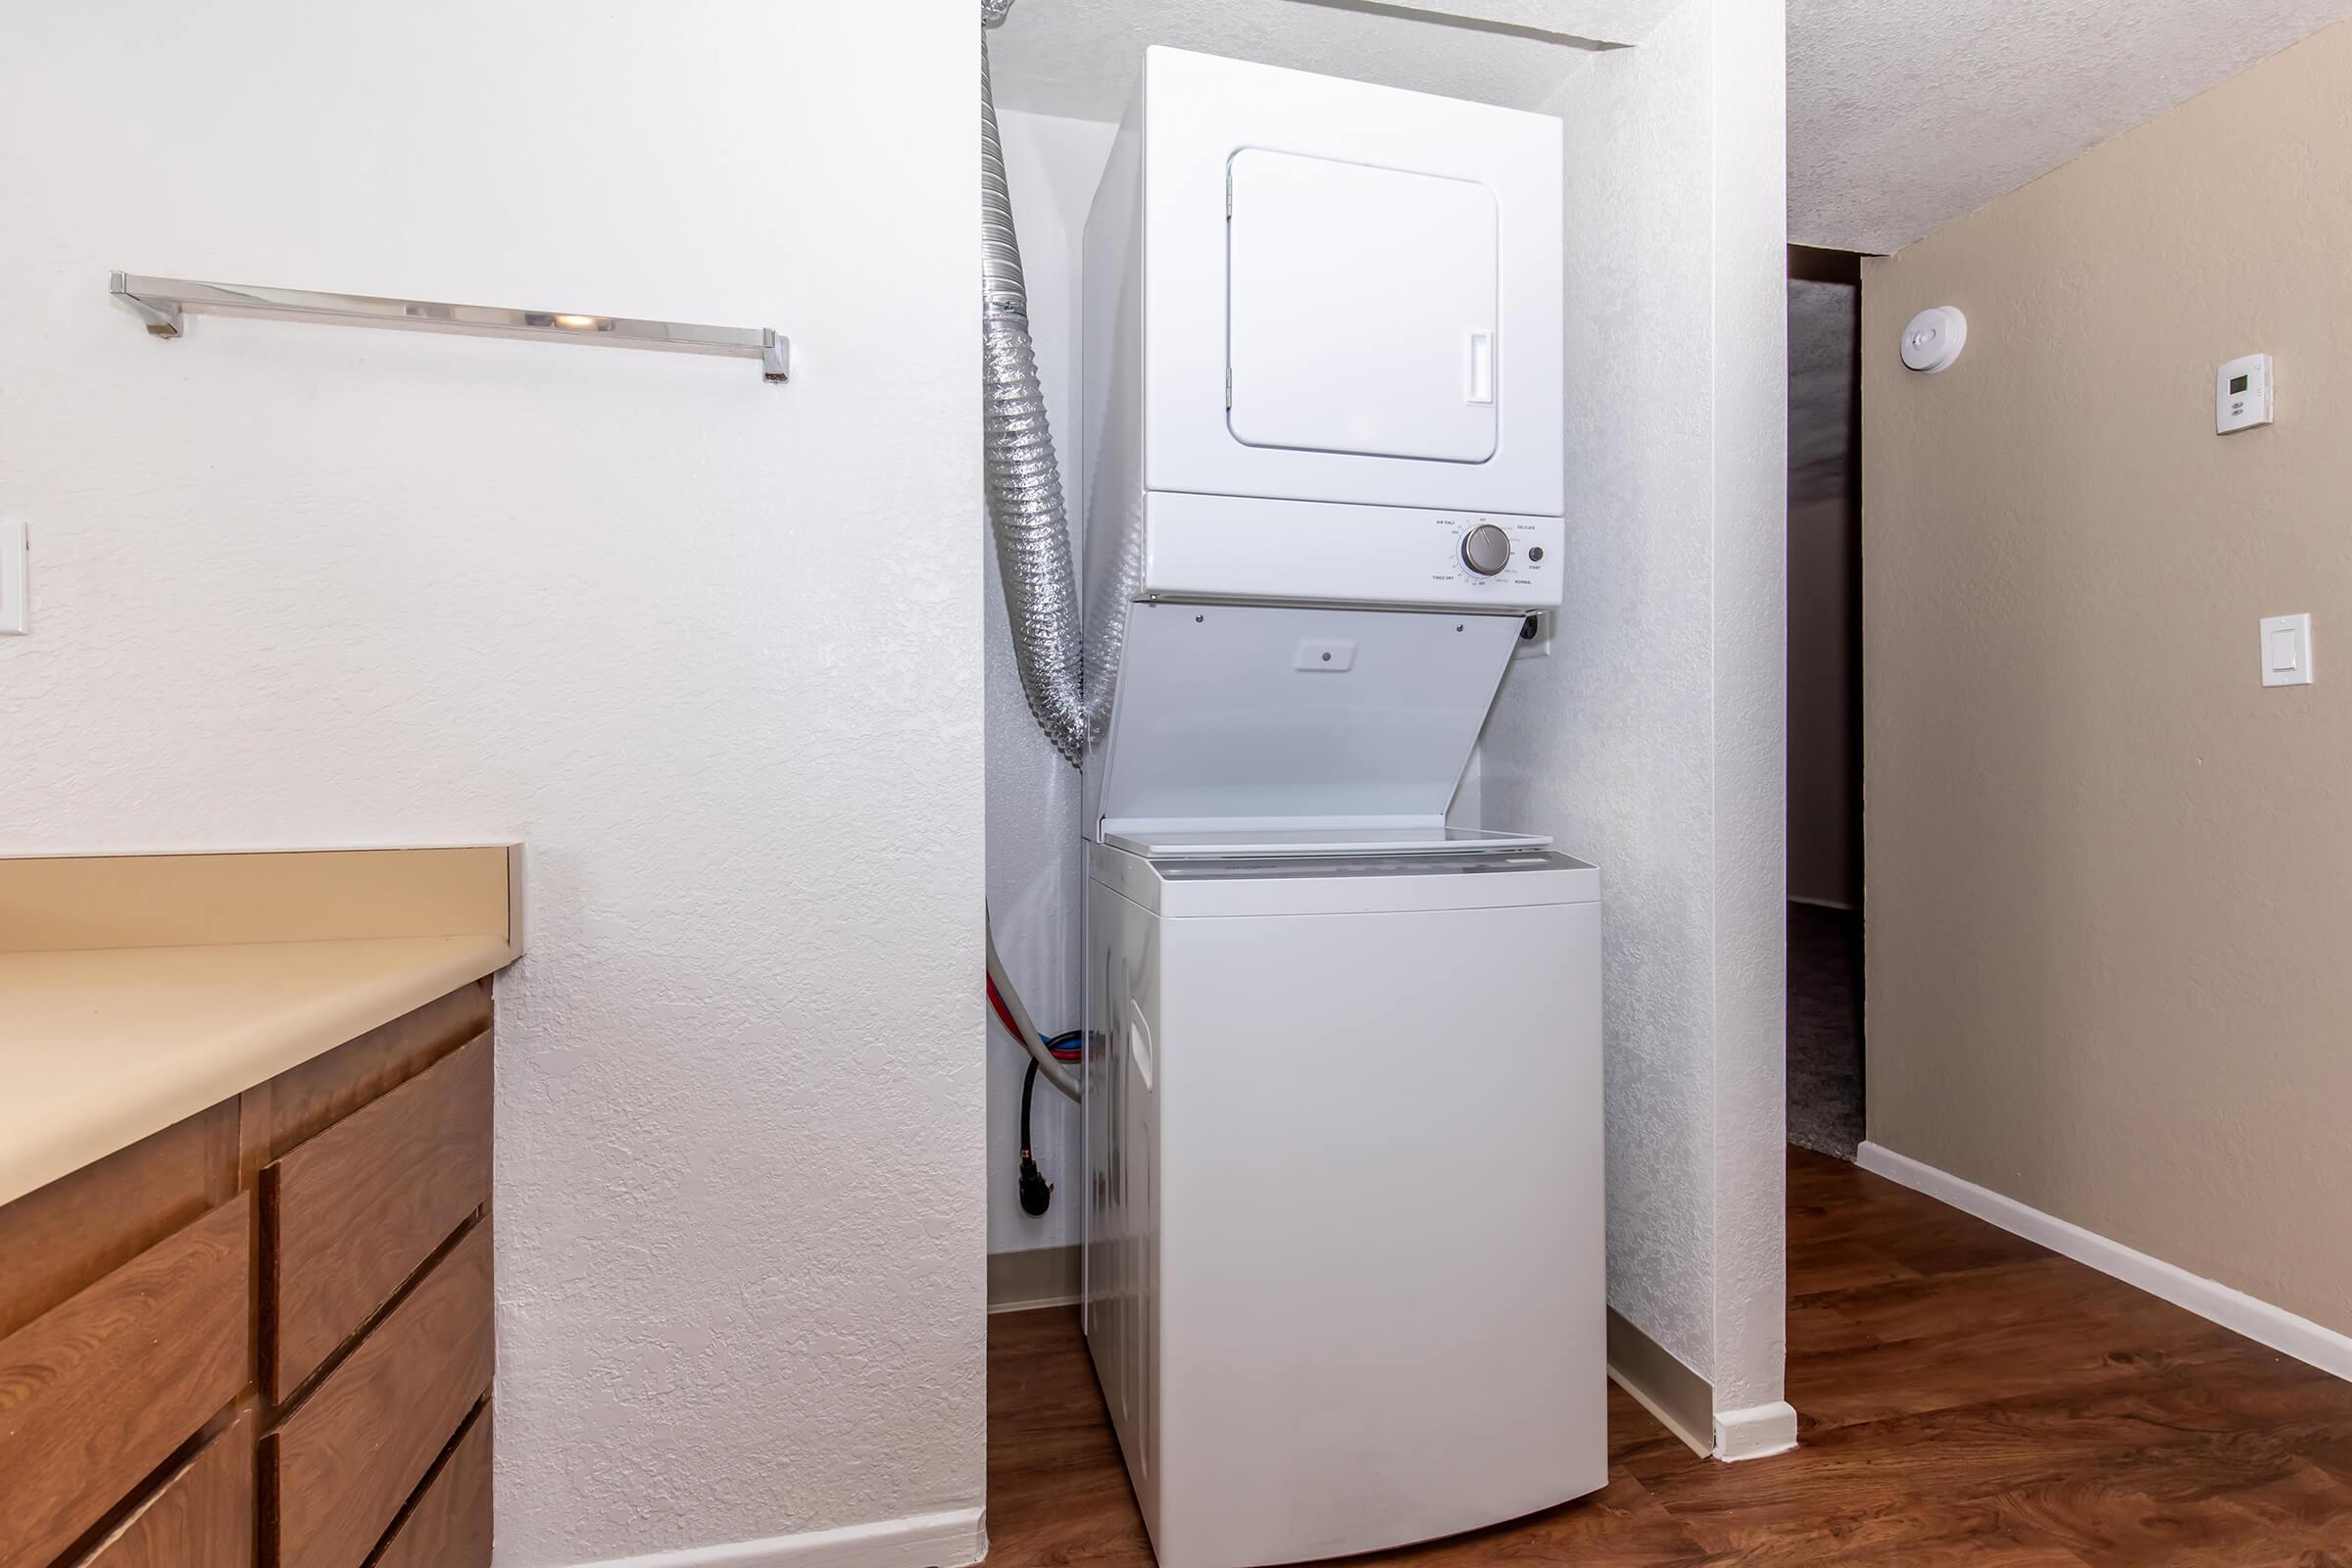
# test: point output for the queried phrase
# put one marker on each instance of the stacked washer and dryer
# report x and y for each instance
(1344, 1261)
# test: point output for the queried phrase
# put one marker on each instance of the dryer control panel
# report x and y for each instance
(1505, 556)
(1248, 546)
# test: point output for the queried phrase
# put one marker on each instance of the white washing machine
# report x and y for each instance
(1343, 1275)
(1345, 1265)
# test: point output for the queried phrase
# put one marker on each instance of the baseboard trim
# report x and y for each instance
(1758, 1432)
(955, 1539)
(2258, 1320)
(1045, 1276)
(1658, 1382)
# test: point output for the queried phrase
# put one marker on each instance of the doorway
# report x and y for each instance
(1825, 1058)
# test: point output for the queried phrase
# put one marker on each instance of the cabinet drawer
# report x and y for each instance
(355, 1449)
(450, 1525)
(357, 1210)
(99, 1390)
(200, 1518)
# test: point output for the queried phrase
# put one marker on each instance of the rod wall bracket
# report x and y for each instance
(162, 320)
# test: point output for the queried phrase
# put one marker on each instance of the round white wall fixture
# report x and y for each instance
(1934, 338)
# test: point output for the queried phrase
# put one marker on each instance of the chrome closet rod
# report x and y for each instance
(164, 303)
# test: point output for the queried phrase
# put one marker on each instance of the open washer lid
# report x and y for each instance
(1282, 730)
(1344, 884)
(1313, 839)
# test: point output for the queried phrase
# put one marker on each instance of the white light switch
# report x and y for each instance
(2286, 650)
(16, 581)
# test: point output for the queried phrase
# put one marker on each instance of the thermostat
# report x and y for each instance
(2241, 394)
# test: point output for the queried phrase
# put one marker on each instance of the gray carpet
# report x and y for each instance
(1825, 1029)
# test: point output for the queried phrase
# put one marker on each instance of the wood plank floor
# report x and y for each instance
(1966, 1397)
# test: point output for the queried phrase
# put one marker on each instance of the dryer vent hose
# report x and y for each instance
(1025, 506)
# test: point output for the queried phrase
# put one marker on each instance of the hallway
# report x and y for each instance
(1825, 1030)
(1966, 1395)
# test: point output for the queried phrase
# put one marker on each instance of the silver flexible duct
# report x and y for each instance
(1024, 481)
(1024, 506)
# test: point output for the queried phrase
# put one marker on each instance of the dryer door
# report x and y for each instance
(1361, 309)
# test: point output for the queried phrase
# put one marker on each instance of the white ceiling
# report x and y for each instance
(1904, 114)
(1078, 56)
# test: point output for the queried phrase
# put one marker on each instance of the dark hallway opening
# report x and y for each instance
(1825, 1058)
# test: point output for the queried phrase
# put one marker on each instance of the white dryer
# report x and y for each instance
(1343, 1141)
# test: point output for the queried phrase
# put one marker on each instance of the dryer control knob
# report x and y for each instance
(1486, 550)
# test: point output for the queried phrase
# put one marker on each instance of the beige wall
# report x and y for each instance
(2110, 876)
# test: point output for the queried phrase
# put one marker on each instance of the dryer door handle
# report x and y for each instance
(1478, 367)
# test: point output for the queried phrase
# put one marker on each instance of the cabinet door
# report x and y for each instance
(98, 1392)
(200, 1518)
(362, 1207)
(448, 1523)
(355, 1449)
(1361, 309)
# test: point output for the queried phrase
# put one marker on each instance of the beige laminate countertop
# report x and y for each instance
(100, 1049)
(103, 1046)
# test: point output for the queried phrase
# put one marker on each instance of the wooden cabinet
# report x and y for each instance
(265, 1335)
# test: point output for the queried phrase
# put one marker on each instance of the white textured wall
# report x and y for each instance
(1033, 863)
(1650, 742)
(1750, 638)
(712, 647)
